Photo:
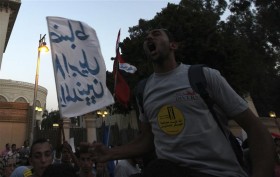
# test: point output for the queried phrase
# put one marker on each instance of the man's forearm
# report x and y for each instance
(262, 154)
(139, 146)
(261, 145)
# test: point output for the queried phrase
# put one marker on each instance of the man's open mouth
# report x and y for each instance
(151, 46)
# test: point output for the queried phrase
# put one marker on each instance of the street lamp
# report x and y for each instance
(41, 48)
(272, 114)
(102, 113)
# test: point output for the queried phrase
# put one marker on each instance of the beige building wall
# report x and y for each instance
(8, 13)
(17, 91)
(16, 131)
(13, 133)
(4, 19)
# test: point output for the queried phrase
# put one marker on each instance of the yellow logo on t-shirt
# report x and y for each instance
(170, 120)
(27, 173)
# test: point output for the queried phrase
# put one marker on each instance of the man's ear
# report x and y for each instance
(174, 45)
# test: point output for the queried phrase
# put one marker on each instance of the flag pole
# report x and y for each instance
(116, 76)
(116, 63)
(116, 69)
(109, 130)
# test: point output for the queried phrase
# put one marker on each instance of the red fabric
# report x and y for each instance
(275, 135)
(122, 90)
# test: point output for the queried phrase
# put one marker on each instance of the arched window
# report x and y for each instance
(3, 99)
(38, 103)
(21, 100)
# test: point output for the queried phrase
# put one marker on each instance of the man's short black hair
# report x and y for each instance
(167, 32)
(169, 35)
(38, 141)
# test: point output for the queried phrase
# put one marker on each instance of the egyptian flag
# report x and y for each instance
(122, 90)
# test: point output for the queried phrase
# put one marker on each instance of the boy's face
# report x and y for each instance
(100, 167)
(41, 157)
(66, 156)
(14, 148)
(86, 162)
(8, 147)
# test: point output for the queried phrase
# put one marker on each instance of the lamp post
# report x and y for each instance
(41, 48)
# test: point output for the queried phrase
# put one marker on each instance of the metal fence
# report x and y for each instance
(112, 136)
(79, 135)
(50, 134)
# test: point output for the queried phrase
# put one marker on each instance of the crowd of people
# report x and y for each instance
(12, 156)
(44, 161)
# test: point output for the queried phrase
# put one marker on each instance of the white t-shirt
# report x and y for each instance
(184, 130)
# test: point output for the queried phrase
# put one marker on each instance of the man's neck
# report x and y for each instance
(166, 66)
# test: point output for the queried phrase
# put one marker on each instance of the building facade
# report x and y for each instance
(16, 102)
(8, 13)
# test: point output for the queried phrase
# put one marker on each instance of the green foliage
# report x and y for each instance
(245, 47)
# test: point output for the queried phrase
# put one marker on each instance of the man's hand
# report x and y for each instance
(99, 152)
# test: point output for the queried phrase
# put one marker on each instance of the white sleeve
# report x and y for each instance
(223, 94)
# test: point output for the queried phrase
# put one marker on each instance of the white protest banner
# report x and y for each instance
(79, 68)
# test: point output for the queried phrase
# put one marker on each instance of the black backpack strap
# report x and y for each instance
(139, 93)
(198, 83)
(197, 79)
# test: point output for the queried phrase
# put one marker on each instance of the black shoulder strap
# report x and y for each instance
(198, 83)
(197, 79)
(139, 93)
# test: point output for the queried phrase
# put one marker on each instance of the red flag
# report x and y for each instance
(122, 90)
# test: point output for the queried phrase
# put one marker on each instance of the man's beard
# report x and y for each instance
(158, 61)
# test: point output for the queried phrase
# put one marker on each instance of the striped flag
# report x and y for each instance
(122, 64)
(122, 90)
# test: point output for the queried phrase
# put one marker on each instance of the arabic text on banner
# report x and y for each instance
(79, 68)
